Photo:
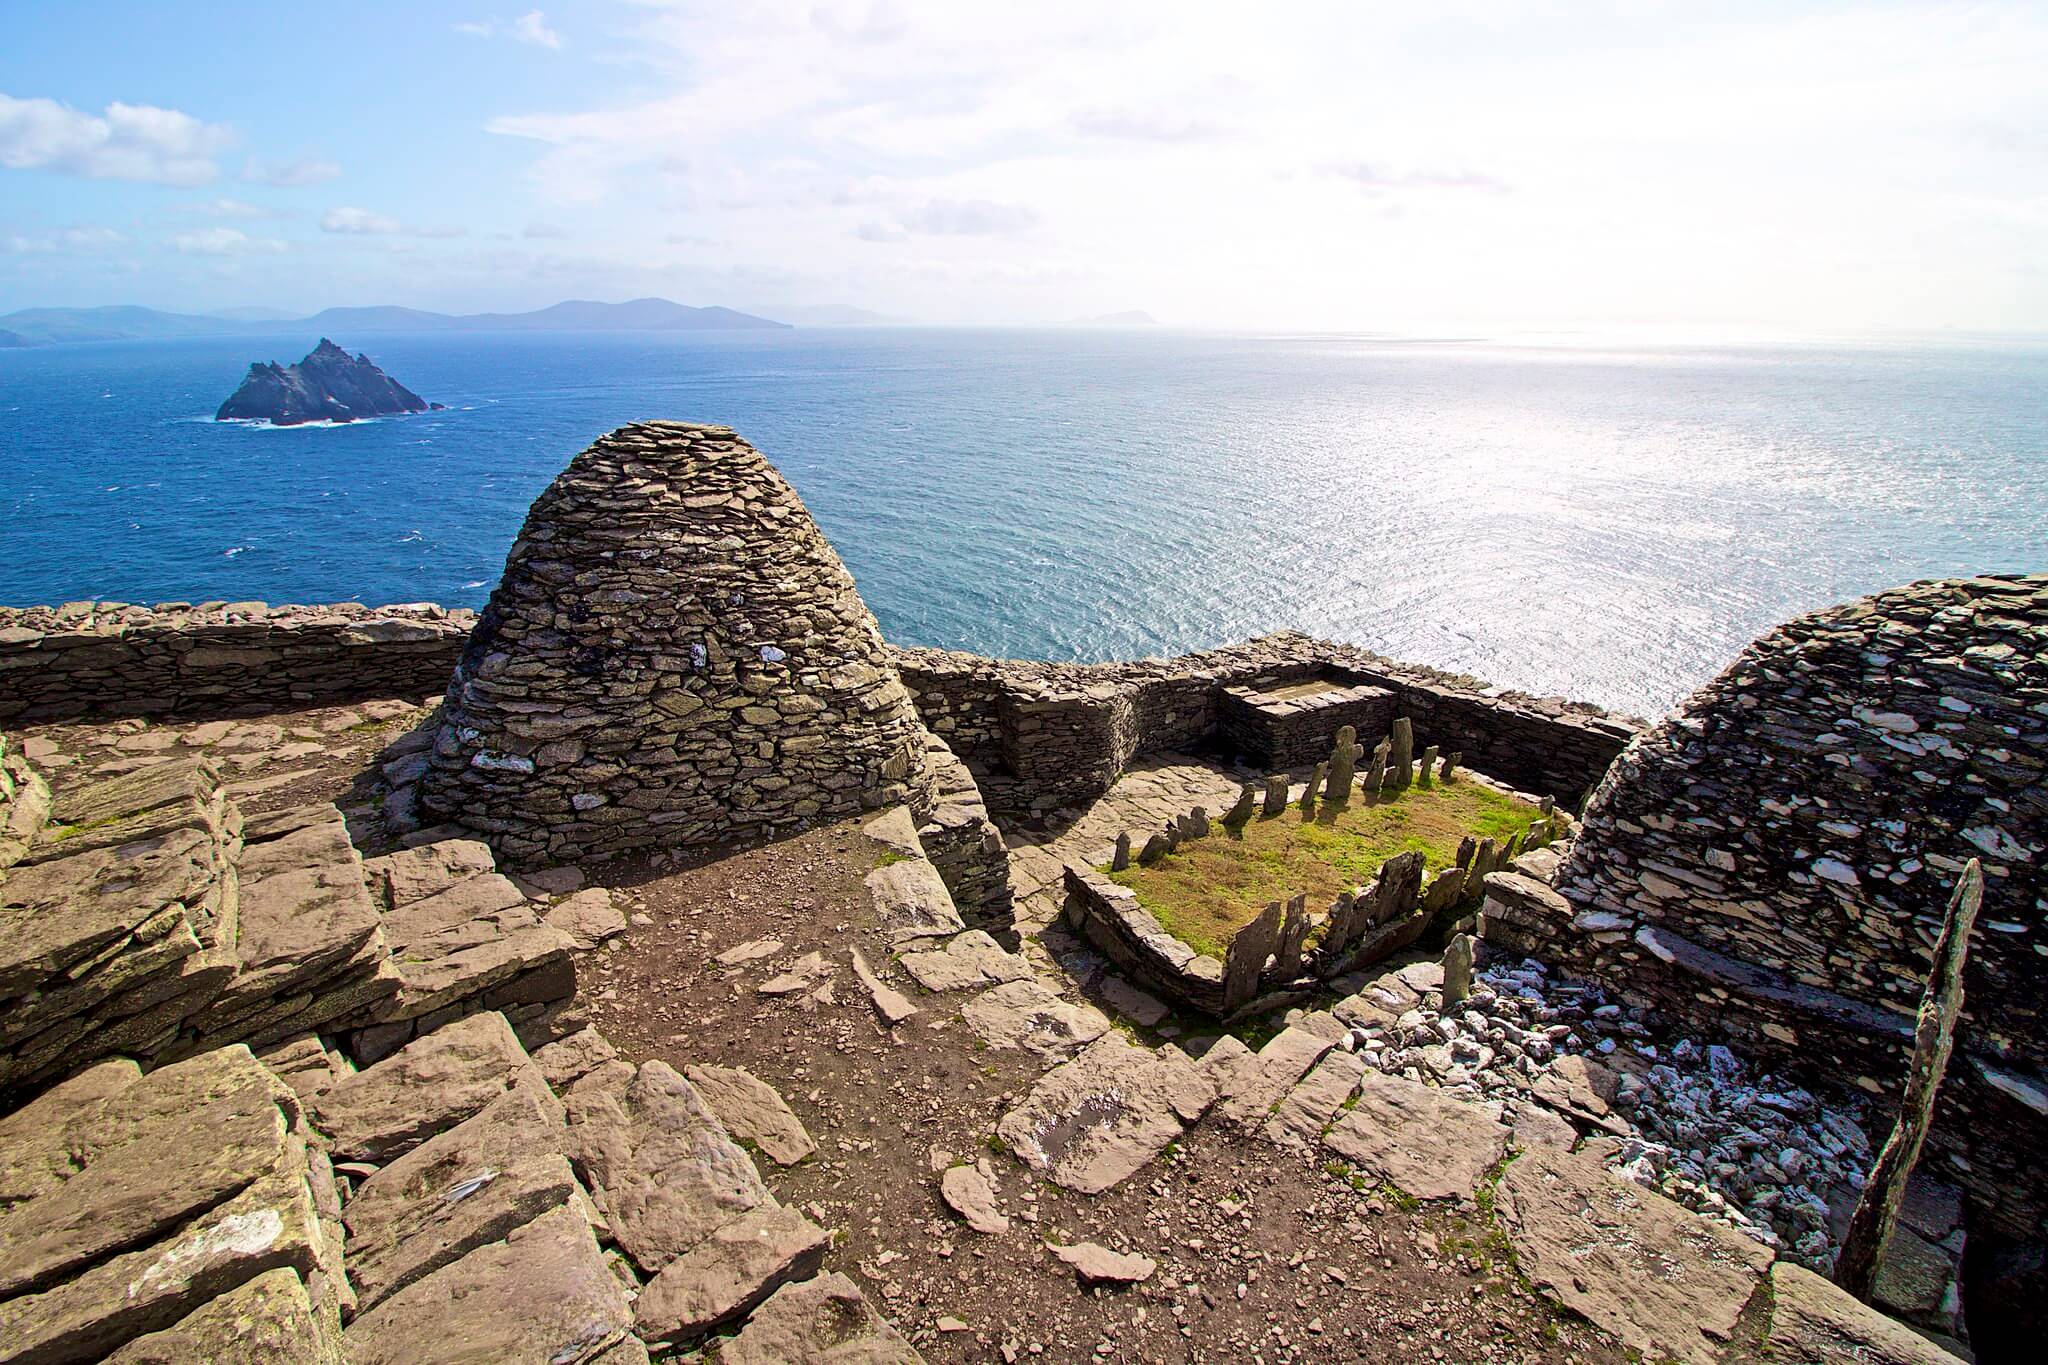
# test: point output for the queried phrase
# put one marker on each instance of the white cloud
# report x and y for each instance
(227, 208)
(222, 241)
(1378, 166)
(85, 237)
(363, 223)
(360, 221)
(305, 170)
(544, 232)
(127, 142)
(967, 218)
(1375, 179)
(530, 28)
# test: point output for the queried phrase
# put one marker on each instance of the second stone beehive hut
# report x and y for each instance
(675, 656)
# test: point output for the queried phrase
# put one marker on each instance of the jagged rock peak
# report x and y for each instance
(329, 385)
(675, 656)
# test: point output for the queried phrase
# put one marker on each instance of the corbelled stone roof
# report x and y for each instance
(675, 656)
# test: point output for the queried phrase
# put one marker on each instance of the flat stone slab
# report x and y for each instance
(893, 1005)
(272, 1223)
(588, 917)
(1098, 1119)
(911, 902)
(1094, 1264)
(413, 874)
(1134, 1003)
(263, 1321)
(1024, 1014)
(669, 1174)
(568, 1060)
(457, 1191)
(1314, 1104)
(730, 1272)
(1665, 1281)
(543, 1296)
(426, 986)
(1421, 1141)
(1250, 1086)
(804, 973)
(130, 1184)
(819, 1321)
(895, 830)
(426, 1087)
(967, 961)
(319, 841)
(752, 950)
(58, 918)
(753, 1113)
(1813, 1319)
(299, 925)
(968, 1193)
(480, 910)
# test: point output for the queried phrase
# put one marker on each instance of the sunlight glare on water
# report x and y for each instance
(1604, 523)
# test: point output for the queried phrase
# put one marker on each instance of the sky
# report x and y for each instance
(1358, 166)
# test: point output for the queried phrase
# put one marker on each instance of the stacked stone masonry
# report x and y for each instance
(674, 657)
(142, 916)
(1065, 731)
(213, 658)
(461, 1201)
(1772, 862)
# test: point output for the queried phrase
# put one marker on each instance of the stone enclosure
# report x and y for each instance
(215, 658)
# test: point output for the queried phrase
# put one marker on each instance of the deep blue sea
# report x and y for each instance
(1612, 524)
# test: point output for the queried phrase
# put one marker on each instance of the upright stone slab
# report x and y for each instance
(1245, 959)
(1276, 795)
(1343, 764)
(1401, 755)
(675, 656)
(1376, 776)
(1426, 766)
(1121, 859)
(1241, 813)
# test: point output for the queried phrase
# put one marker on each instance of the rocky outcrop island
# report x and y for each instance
(329, 385)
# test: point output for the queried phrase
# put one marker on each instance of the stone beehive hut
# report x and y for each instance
(1778, 854)
(675, 656)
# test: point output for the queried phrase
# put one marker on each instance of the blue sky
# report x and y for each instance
(1358, 165)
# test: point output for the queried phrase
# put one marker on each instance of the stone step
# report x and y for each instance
(429, 1086)
(178, 794)
(109, 950)
(1097, 1120)
(724, 1277)
(817, 1322)
(132, 1201)
(266, 1320)
(542, 1296)
(306, 922)
(660, 1165)
(465, 1187)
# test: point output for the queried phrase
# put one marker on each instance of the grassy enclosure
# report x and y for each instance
(1207, 889)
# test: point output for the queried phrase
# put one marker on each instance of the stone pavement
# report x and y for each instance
(459, 1201)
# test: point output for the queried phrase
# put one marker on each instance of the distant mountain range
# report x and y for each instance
(48, 326)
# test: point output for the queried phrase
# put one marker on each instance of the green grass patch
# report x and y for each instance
(1206, 890)
(889, 857)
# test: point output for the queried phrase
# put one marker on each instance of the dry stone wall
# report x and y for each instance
(1774, 859)
(1065, 731)
(191, 661)
(675, 656)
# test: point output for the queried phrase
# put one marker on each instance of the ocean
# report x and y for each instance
(1607, 523)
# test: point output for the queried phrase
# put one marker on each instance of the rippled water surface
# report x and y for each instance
(1609, 524)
